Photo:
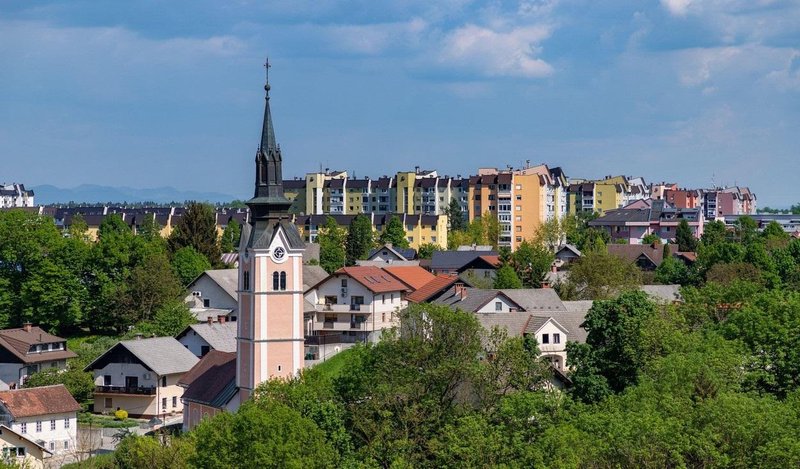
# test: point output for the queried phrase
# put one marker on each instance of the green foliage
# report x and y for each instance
(197, 228)
(331, 239)
(684, 238)
(455, 216)
(188, 263)
(651, 238)
(144, 452)
(426, 250)
(506, 278)
(599, 275)
(484, 230)
(394, 233)
(672, 271)
(532, 262)
(359, 239)
(169, 320)
(265, 434)
(78, 382)
(230, 237)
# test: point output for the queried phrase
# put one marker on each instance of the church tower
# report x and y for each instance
(270, 329)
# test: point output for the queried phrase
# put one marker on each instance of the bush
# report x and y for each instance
(121, 414)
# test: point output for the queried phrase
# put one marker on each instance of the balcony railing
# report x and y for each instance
(140, 390)
(341, 308)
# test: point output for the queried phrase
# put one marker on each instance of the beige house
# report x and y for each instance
(141, 377)
(21, 451)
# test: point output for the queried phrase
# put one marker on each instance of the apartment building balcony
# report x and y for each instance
(358, 323)
(136, 390)
(341, 308)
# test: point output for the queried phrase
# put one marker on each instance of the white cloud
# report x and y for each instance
(495, 53)
(374, 39)
(677, 7)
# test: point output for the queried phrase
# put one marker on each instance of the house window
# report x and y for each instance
(66, 422)
(164, 404)
(174, 401)
(498, 305)
(206, 303)
(53, 424)
(556, 338)
(344, 283)
(52, 446)
(23, 427)
(383, 300)
(283, 281)
(545, 338)
(163, 381)
(107, 403)
(66, 444)
(279, 368)
(106, 380)
(38, 426)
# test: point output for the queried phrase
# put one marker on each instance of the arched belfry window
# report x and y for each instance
(283, 280)
(246, 281)
(275, 281)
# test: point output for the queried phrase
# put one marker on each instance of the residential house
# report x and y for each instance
(482, 263)
(141, 376)
(646, 256)
(565, 254)
(435, 288)
(28, 349)
(388, 254)
(202, 338)
(356, 303)
(633, 225)
(47, 415)
(216, 289)
(21, 451)
(209, 388)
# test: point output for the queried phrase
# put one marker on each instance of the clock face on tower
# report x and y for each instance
(278, 253)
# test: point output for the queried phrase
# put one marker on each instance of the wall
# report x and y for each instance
(62, 434)
(218, 298)
(490, 307)
(551, 349)
(34, 455)
(193, 342)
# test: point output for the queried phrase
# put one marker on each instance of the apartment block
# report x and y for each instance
(420, 229)
(15, 195)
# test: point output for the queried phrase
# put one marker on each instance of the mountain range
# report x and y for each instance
(90, 193)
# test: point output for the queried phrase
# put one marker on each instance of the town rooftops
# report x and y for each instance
(161, 355)
(432, 288)
(374, 279)
(455, 260)
(413, 276)
(43, 400)
(403, 253)
(220, 336)
(27, 343)
(212, 381)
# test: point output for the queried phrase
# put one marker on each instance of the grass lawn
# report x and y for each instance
(104, 421)
(333, 366)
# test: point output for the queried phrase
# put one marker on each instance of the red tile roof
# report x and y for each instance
(43, 400)
(439, 283)
(494, 260)
(414, 276)
(374, 278)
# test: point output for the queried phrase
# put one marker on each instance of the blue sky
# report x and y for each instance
(154, 93)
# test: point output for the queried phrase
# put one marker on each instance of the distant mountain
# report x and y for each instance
(90, 193)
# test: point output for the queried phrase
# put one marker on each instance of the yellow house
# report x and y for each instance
(21, 451)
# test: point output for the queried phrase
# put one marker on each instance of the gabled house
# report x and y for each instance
(28, 349)
(20, 451)
(202, 338)
(47, 415)
(356, 303)
(413, 276)
(566, 254)
(456, 262)
(389, 254)
(141, 376)
(648, 256)
(438, 286)
(210, 388)
(215, 289)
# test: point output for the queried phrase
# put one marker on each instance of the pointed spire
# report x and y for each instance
(267, 132)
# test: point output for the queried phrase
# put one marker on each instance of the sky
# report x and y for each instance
(170, 93)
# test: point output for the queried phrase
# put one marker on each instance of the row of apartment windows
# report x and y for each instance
(24, 425)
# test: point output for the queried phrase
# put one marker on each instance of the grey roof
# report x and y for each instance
(513, 323)
(162, 355)
(535, 323)
(454, 260)
(573, 318)
(535, 300)
(312, 275)
(202, 314)
(220, 337)
(569, 247)
(227, 279)
(475, 298)
(261, 234)
(663, 293)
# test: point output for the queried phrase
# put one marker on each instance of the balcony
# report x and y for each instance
(341, 326)
(337, 308)
(138, 390)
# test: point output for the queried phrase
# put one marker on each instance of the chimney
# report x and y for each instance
(460, 290)
(210, 320)
(545, 284)
(553, 268)
(27, 326)
(221, 319)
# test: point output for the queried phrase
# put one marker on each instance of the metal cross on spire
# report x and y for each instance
(266, 69)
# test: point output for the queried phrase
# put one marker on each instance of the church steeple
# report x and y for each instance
(268, 200)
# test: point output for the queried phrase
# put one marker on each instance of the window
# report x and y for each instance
(344, 283)
(13, 452)
(53, 424)
(107, 403)
(38, 426)
(106, 380)
(23, 427)
(66, 444)
(52, 446)
(545, 338)
(486, 274)
(519, 228)
(283, 281)
(556, 338)
(519, 197)
(279, 368)
(164, 404)
(498, 305)
(519, 186)
(275, 281)
(383, 300)
(174, 401)
(518, 218)
(204, 349)
(66, 422)
(163, 381)
(519, 208)
(206, 303)
(246, 281)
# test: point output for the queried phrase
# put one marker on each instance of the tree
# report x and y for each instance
(170, 319)
(532, 262)
(426, 250)
(79, 383)
(188, 264)
(331, 239)
(230, 237)
(551, 234)
(671, 270)
(599, 275)
(651, 238)
(149, 229)
(455, 216)
(197, 228)
(359, 239)
(143, 452)
(151, 284)
(266, 434)
(684, 237)
(506, 278)
(394, 233)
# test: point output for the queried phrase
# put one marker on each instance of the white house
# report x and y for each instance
(216, 289)
(47, 415)
(552, 339)
(15, 195)
(141, 376)
(26, 350)
(205, 337)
